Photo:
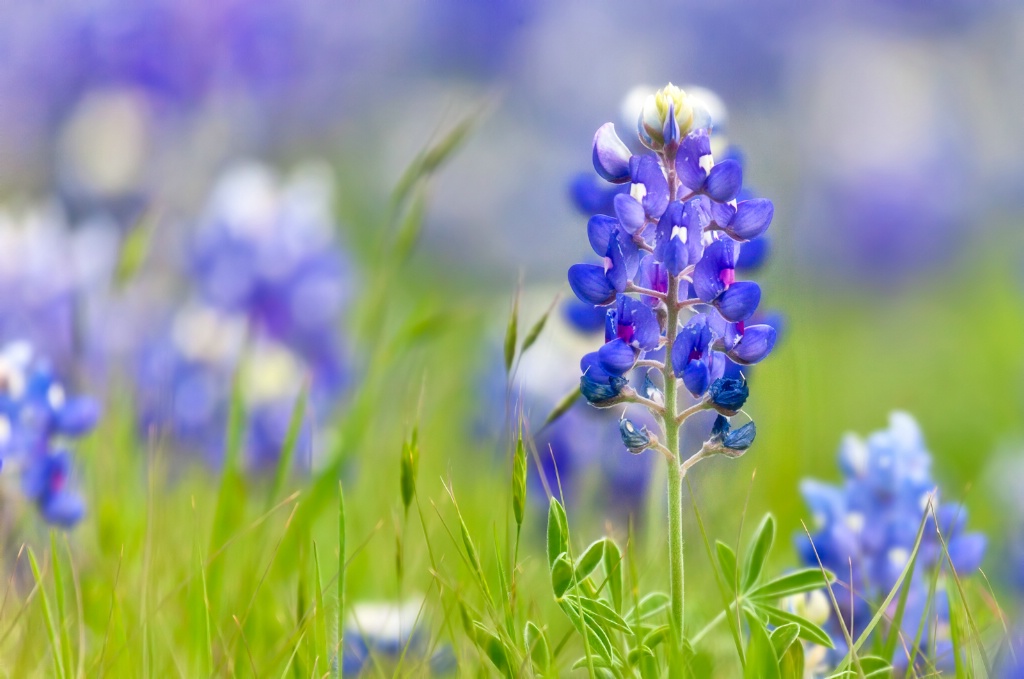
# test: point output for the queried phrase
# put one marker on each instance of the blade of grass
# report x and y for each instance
(284, 463)
(51, 629)
(340, 644)
(58, 596)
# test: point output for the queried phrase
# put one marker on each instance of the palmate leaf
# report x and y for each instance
(783, 637)
(613, 572)
(648, 607)
(538, 647)
(561, 575)
(558, 532)
(493, 648)
(791, 665)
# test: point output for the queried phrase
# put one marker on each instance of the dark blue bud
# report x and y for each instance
(597, 391)
(635, 440)
(651, 391)
(732, 442)
(728, 395)
(611, 156)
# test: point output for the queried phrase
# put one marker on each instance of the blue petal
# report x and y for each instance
(694, 147)
(611, 156)
(671, 132)
(739, 302)
(649, 173)
(582, 316)
(599, 231)
(707, 274)
(755, 344)
(617, 357)
(590, 284)
(591, 195)
(618, 272)
(724, 181)
(696, 377)
(647, 332)
(629, 212)
(752, 218)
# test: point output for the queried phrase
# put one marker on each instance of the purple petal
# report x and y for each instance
(652, 276)
(599, 230)
(611, 156)
(739, 301)
(63, 509)
(630, 213)
(617, 357)
(590, 284)
(592, 195)
(707, 274)
(696, 377)
(756, 342)
(694, 147)
(752, 219)
(724, 181)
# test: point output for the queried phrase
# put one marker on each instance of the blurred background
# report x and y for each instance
(196, 198)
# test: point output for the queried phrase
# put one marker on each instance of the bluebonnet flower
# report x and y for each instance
(270, 294)
(37, 419)
(865, 531)
(681, 226)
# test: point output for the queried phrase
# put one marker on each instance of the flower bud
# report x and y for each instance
(635, 440)
(667, 116)
(728, 395)
(730, 442)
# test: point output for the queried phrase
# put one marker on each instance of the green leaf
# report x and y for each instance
(511, 331)
(648, 607)
(758, 552)
(584, 663)
(493, 647)
(537, 645)
(808, 630)
(783, 637)
(586, 624)
(567, 401)
(603, 612)
(58, 595)
(613, 572)
(410, 225)
(727, 562)
(588, 562)
(656, 636)
(561, 575)
(558, 532)
(637, 654)
(761, 660)
(797, 582)
(320, 615)
(791, 665)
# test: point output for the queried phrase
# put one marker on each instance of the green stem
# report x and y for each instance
(675, 484)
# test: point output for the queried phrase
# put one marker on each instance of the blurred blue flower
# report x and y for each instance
(37, 417)
(270, 286)
(384, 634)
(865, 530)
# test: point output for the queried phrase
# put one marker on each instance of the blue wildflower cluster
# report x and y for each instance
(270, 288)
(866, 529)
(37, 418)
(671, 248)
